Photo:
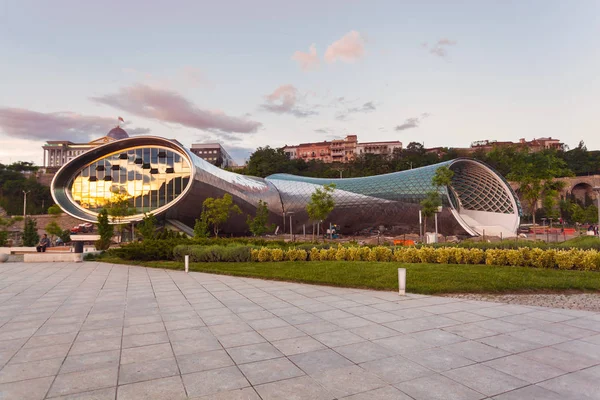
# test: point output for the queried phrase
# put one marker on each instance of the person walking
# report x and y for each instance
(44, 242)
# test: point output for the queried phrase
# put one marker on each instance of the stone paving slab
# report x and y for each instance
(101, 331)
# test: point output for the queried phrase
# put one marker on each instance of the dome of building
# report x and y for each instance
(117, 133)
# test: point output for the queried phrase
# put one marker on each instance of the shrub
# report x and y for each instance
(428, 254)
(102, 244)
(564, 259)
(148, 250)
(315, 254)
(352, 254)
(341, 254)
(382, 253)
(276, 254)
(364, 253)
(475, 256)
(495, 257)
(291, 255)
(264, 254)
(514, 258)
(302, 255)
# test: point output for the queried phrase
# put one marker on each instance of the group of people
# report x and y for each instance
(594, 229)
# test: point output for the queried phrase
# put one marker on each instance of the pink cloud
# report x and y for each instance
(169, 106)
(349, 48)
(284, 100)
(28, 124)
(307, 61)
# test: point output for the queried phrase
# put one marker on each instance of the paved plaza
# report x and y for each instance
(100, 331)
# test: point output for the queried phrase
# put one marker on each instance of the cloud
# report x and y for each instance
(349, 48)
(138, 131)
(440, 47)
(307, 61)
(64, 125)
(411, 122)
(284, 100)
(169, 106)
(365, 108)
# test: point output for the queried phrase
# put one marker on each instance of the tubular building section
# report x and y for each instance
(157, 175)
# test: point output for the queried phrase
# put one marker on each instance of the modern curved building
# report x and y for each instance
(160, 176)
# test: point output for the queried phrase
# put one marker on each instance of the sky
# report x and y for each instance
(270, 72)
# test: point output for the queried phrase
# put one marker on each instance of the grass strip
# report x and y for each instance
(421, 278)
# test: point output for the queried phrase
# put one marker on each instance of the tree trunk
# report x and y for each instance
(425, 229)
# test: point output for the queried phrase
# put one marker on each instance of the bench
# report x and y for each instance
(52, 257)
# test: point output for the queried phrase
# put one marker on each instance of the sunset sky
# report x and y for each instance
(250, 74)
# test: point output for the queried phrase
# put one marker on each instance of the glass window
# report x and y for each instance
(143, 187)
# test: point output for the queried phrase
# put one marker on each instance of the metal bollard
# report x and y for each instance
(401, 281)
(187, 264)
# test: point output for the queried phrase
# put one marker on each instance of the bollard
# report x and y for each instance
(187, 264)
(401, 281)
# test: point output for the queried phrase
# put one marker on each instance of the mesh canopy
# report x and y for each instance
(477, 189)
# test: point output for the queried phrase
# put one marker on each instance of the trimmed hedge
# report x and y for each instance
(585, 260)
(213, 253)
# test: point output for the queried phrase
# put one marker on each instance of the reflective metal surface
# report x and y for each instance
(161, 176)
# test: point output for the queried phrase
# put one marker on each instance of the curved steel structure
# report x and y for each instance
(157, 175)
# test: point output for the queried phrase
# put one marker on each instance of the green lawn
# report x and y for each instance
(421, 278)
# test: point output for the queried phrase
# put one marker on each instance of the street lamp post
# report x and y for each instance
(290, 213)
(597, 190)
(25, 203)
(439, 210)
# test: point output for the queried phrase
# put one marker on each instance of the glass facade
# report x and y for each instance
(147, 177)
(161, 176)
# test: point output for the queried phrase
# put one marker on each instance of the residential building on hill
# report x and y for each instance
(339, 150)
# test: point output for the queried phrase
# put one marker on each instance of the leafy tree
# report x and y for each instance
(535, 174)
(429, 206)
(147, 227)
(30, 235)
(442, 177)
(19, 177)
(258, 224)
(219, 210)
(321, 204)
(201, 227)
(118, 209)
(54, 210)
(591, 214)
(65, 236)
(266, 161)
(53, 229)
(105, 230)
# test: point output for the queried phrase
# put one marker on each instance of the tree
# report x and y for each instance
(54, 210)
(65, 236)
(219, 210)
(321, 204)
(105, 230)
(201, 226)
(535, 173)
(429, 206)
(442, 177)
(118, 209)
(259, 224)
(53, 229)
(30, 235)
(147, 227)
